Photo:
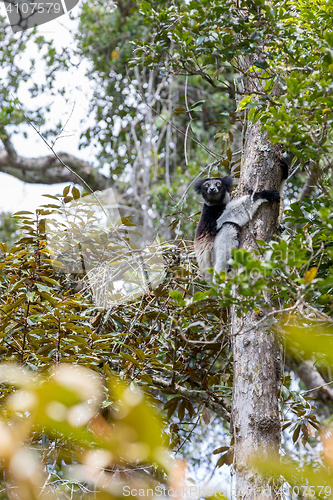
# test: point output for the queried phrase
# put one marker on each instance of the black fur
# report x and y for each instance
(215, 194)
(209, 216)
(197, 185)
(269, 195)
(285, 169)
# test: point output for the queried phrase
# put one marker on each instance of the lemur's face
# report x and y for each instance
(214, 191)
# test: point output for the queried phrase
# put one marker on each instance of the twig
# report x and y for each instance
(272, 313)
(316, 388)
(63, 128)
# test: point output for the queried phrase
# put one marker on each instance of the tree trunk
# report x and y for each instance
(255, 417)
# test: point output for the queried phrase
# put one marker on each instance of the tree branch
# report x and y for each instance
(47, 169)
(311, 182)
(215, 403)
(218, 406)
(312, 379)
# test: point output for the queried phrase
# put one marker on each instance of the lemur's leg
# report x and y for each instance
(241, 210)
(203, 247)
(226, 239)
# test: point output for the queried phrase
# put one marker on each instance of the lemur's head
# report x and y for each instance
(214, 191)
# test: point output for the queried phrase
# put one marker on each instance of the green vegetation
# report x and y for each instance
(176, 89)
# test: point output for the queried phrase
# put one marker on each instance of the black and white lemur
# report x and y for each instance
(221, 219)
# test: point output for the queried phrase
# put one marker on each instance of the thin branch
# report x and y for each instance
(311, 182)
(317, 388)
(272, 313)
(219, 407)
(215, 155)
(66, 123)
(56, 155)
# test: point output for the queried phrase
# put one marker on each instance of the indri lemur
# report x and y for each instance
(221, 219)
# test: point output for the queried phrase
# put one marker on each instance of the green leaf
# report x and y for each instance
(198, 103)
(296, 433)
(244, 103)
(261, 63)
(66, 191)
(177, 297)
(76, 193)
(130, 358)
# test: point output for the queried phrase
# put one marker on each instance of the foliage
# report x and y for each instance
(124, 98)
(60, 407)
(13, 76)
(138, 118)
(169, 340)
(8, 228)
(43, 321)
(284, 50)
(174, 339)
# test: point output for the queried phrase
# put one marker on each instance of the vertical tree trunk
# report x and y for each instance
(255, 415)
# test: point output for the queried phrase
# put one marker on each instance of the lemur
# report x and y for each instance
(221, 219)
(215, 194)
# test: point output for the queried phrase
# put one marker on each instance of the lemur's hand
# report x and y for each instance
(248, 189)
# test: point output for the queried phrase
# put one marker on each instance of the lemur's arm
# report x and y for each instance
(241, 210)
(237, 214)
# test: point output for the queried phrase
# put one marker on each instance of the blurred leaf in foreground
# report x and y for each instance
(64, 406)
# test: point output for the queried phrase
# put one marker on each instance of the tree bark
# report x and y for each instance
(255, 416)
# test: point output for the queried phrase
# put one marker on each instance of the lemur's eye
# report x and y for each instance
(218, 184)
(206, 185)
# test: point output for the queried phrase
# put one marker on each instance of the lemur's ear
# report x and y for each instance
(228, 182)
(197, 185)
